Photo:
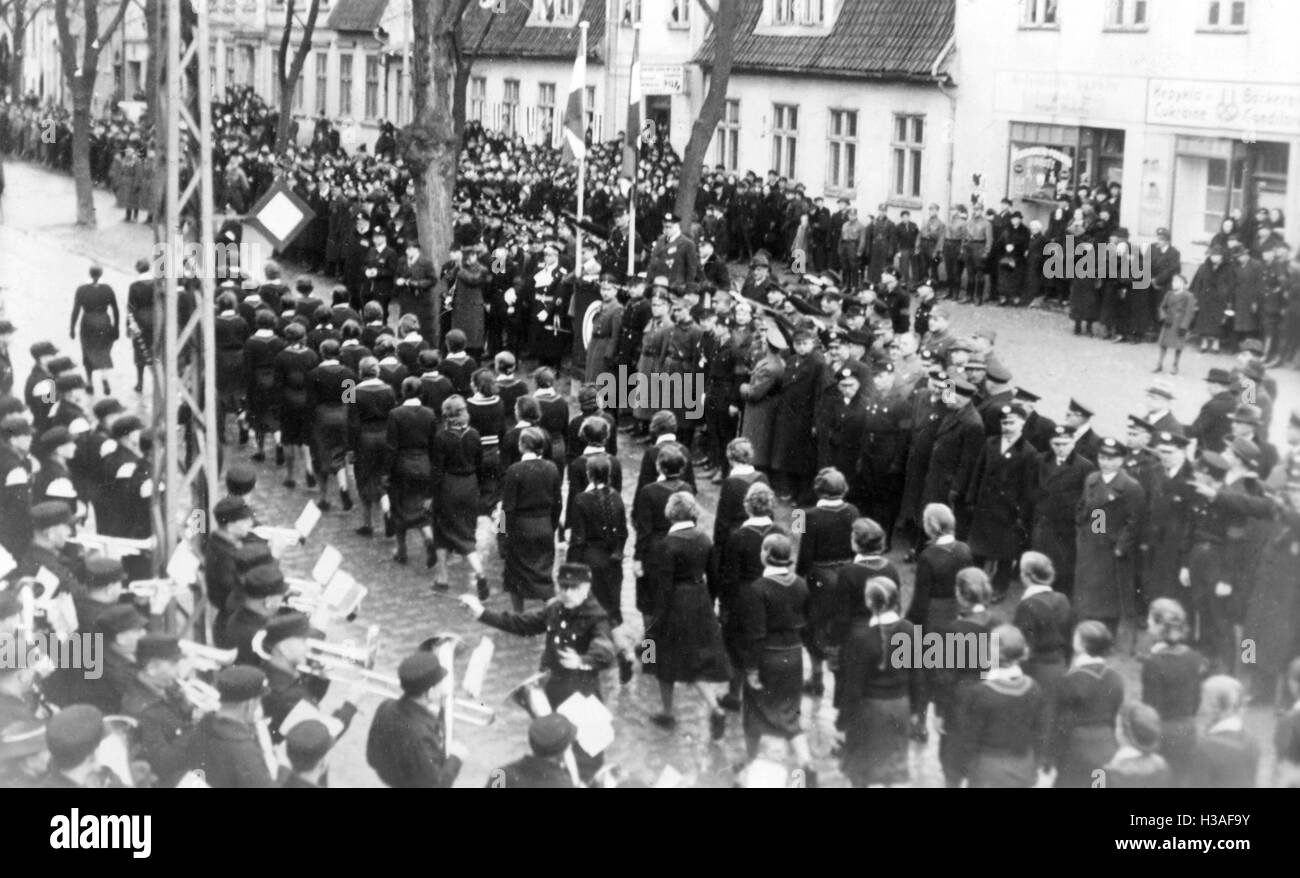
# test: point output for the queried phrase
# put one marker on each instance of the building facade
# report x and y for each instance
(1179, 101)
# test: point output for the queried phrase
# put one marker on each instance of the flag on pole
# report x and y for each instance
(632, 136)
(575, 111)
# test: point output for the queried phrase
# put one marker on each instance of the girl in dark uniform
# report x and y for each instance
(740, 563)
(948, 686)
(1003, 724)
(1136, 765)
(291, 368)
(1171, 683)
(1088, 699)
(682, 625)
(458, 366)
(391, 371)
(260, 392)
(141, 310)
(530, 506)
(555, 412)
(869, 561)
(369, 440)
(875, 702)
(434, 386)
(649, 522)
(328, 387)
(457, 458)
(487, 417)
(95, 304)
(772, 620)
(231, 334)
(410, 344)
(1226, 756)
(825, 547)
(597, 521)
(373, 315)
(411, 429)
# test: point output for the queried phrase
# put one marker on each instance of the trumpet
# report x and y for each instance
(322, 652)
(202, 696)
(207, 658)
(385, 686)
(114, 547)
(531, 695)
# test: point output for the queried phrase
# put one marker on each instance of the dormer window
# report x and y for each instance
(799, 13)
(563, 12)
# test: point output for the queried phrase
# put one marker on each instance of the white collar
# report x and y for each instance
(863, 559)
(681, 525)
(373, 381)
(757, 520)
(265, 333)
(889, 617)
(459, 355)
(594, 449)
(1108, 478)
(333, 361)
(1032, 590)
(413, 401)
(776, 572)
(666, 437)
(741, 469)
(545, 393)
(945, 540)
(351, 342)
(830, 504)
(390, 360)
(1008, 674)
(414, 337)
(528, 455)
(1082, 659)
(1227, 724)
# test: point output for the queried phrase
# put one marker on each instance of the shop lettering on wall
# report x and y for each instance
(1247, 107)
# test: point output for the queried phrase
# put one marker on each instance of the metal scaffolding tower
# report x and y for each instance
(186, 411)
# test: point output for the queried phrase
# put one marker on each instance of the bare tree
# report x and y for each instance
(80, 74)
(19, 14)
(464, 64)
(288, 73)
(725, 21)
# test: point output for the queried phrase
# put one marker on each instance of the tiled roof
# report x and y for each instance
(512, 37)
(357, 16)
(871, 39)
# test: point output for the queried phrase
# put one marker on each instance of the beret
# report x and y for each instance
(118, 618)
(240, 683)
(101, 571)
(125, 426)
(549, 735)
(420, 672)
(230, 509)
(264, 581)
(70, 381)
(157, 646)
(50, 513)
(54, 437)
(307, 743)
(73, 733)
(240, 478)
(43, 349)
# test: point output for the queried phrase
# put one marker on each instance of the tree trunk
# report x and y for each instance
(725, 22)
(464, 65)
(81, 152)
(289, 72)
(431, 145)
(18, 39)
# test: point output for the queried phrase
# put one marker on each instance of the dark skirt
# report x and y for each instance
(875, 742)
(775, 709)
(455, 513)
(372, 463)
(606, 578)
(1178, 747)
(97, 340)
(528, 548)
(489, 480)
(1088, 749)
(262, 402)
(331, 438)
(823, 608)
(687, 637)
(295, 425)
(230, 374)
(1003, 771)
(409, 490)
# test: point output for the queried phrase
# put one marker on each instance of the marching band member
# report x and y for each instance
(73, 736)
(260, 598)
(104, 581)
(578, 647)
(549, 737)
(284, 649)
(406, 743)
(53, 481)
(165, 718)
(227, 746)
(16, 466)
(308, 745)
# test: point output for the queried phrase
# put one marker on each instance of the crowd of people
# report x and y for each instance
(851, 398)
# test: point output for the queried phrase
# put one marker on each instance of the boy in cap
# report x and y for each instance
(308, 745)
(261, 597)
(72, 737)
(228, 746)
(1212, 427)
(16, 467)
(406, 746)
(165, 718)
(283, 651)
(544, 769)
(51, 528)
(1109, 522)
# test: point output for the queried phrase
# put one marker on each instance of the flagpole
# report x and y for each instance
(582, 163)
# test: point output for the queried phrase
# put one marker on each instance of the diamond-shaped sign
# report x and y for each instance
(280, 214)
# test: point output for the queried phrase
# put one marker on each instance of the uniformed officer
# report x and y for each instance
(234, 522)
(1078, 418)
(165, 717)
(1141, 462)
(128, 492)
(885, 431)
(93, 448)
(39, 391)
(998, 393)
(6, 359)
(16, 467)
(682, 357)
(839, 424)
(1039, 429)
(1107, 526)
(549, 737)
(263, 594)
(104, 580)
(1002, 497)
(229, 747)
(308, 745)
(1061, 476)
(284, 649)
(406, 747)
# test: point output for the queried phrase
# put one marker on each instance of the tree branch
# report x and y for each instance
(282, 55)
(112, 25)
(708, 11)
(67, 45)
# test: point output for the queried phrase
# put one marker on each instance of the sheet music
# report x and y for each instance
(306, 522)
(183, 566)
(327, 565)
(7, 563)
(594, 722)
(476, 671)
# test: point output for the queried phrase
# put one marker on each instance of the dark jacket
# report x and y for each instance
(228, 754)
(405, 747)
(532, 772)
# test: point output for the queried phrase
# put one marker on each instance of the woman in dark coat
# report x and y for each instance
(231, 333)
(261, 394)
(825, 546)
(1171, 683)
(141, 321)
(1214, 286)
(1085, 296)
(772, 621)
(487, 418)
(368, 426)
(530, 507)
(597, 521)
(95, 305)
(457, 458)
(291, 368)
(682, 626)
(1061, 474)
(761, 394)
(554, 413)
(467, 311)
(1106, 561)
(1088, 700)
(739, 563)
(948, 686)
(411, 428)
(649, 522)
(875, 705)
(1273, 614)
(794, 453)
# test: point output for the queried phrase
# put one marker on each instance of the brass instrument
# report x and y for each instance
(207, 658)
(114, 547)
(204, 697)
